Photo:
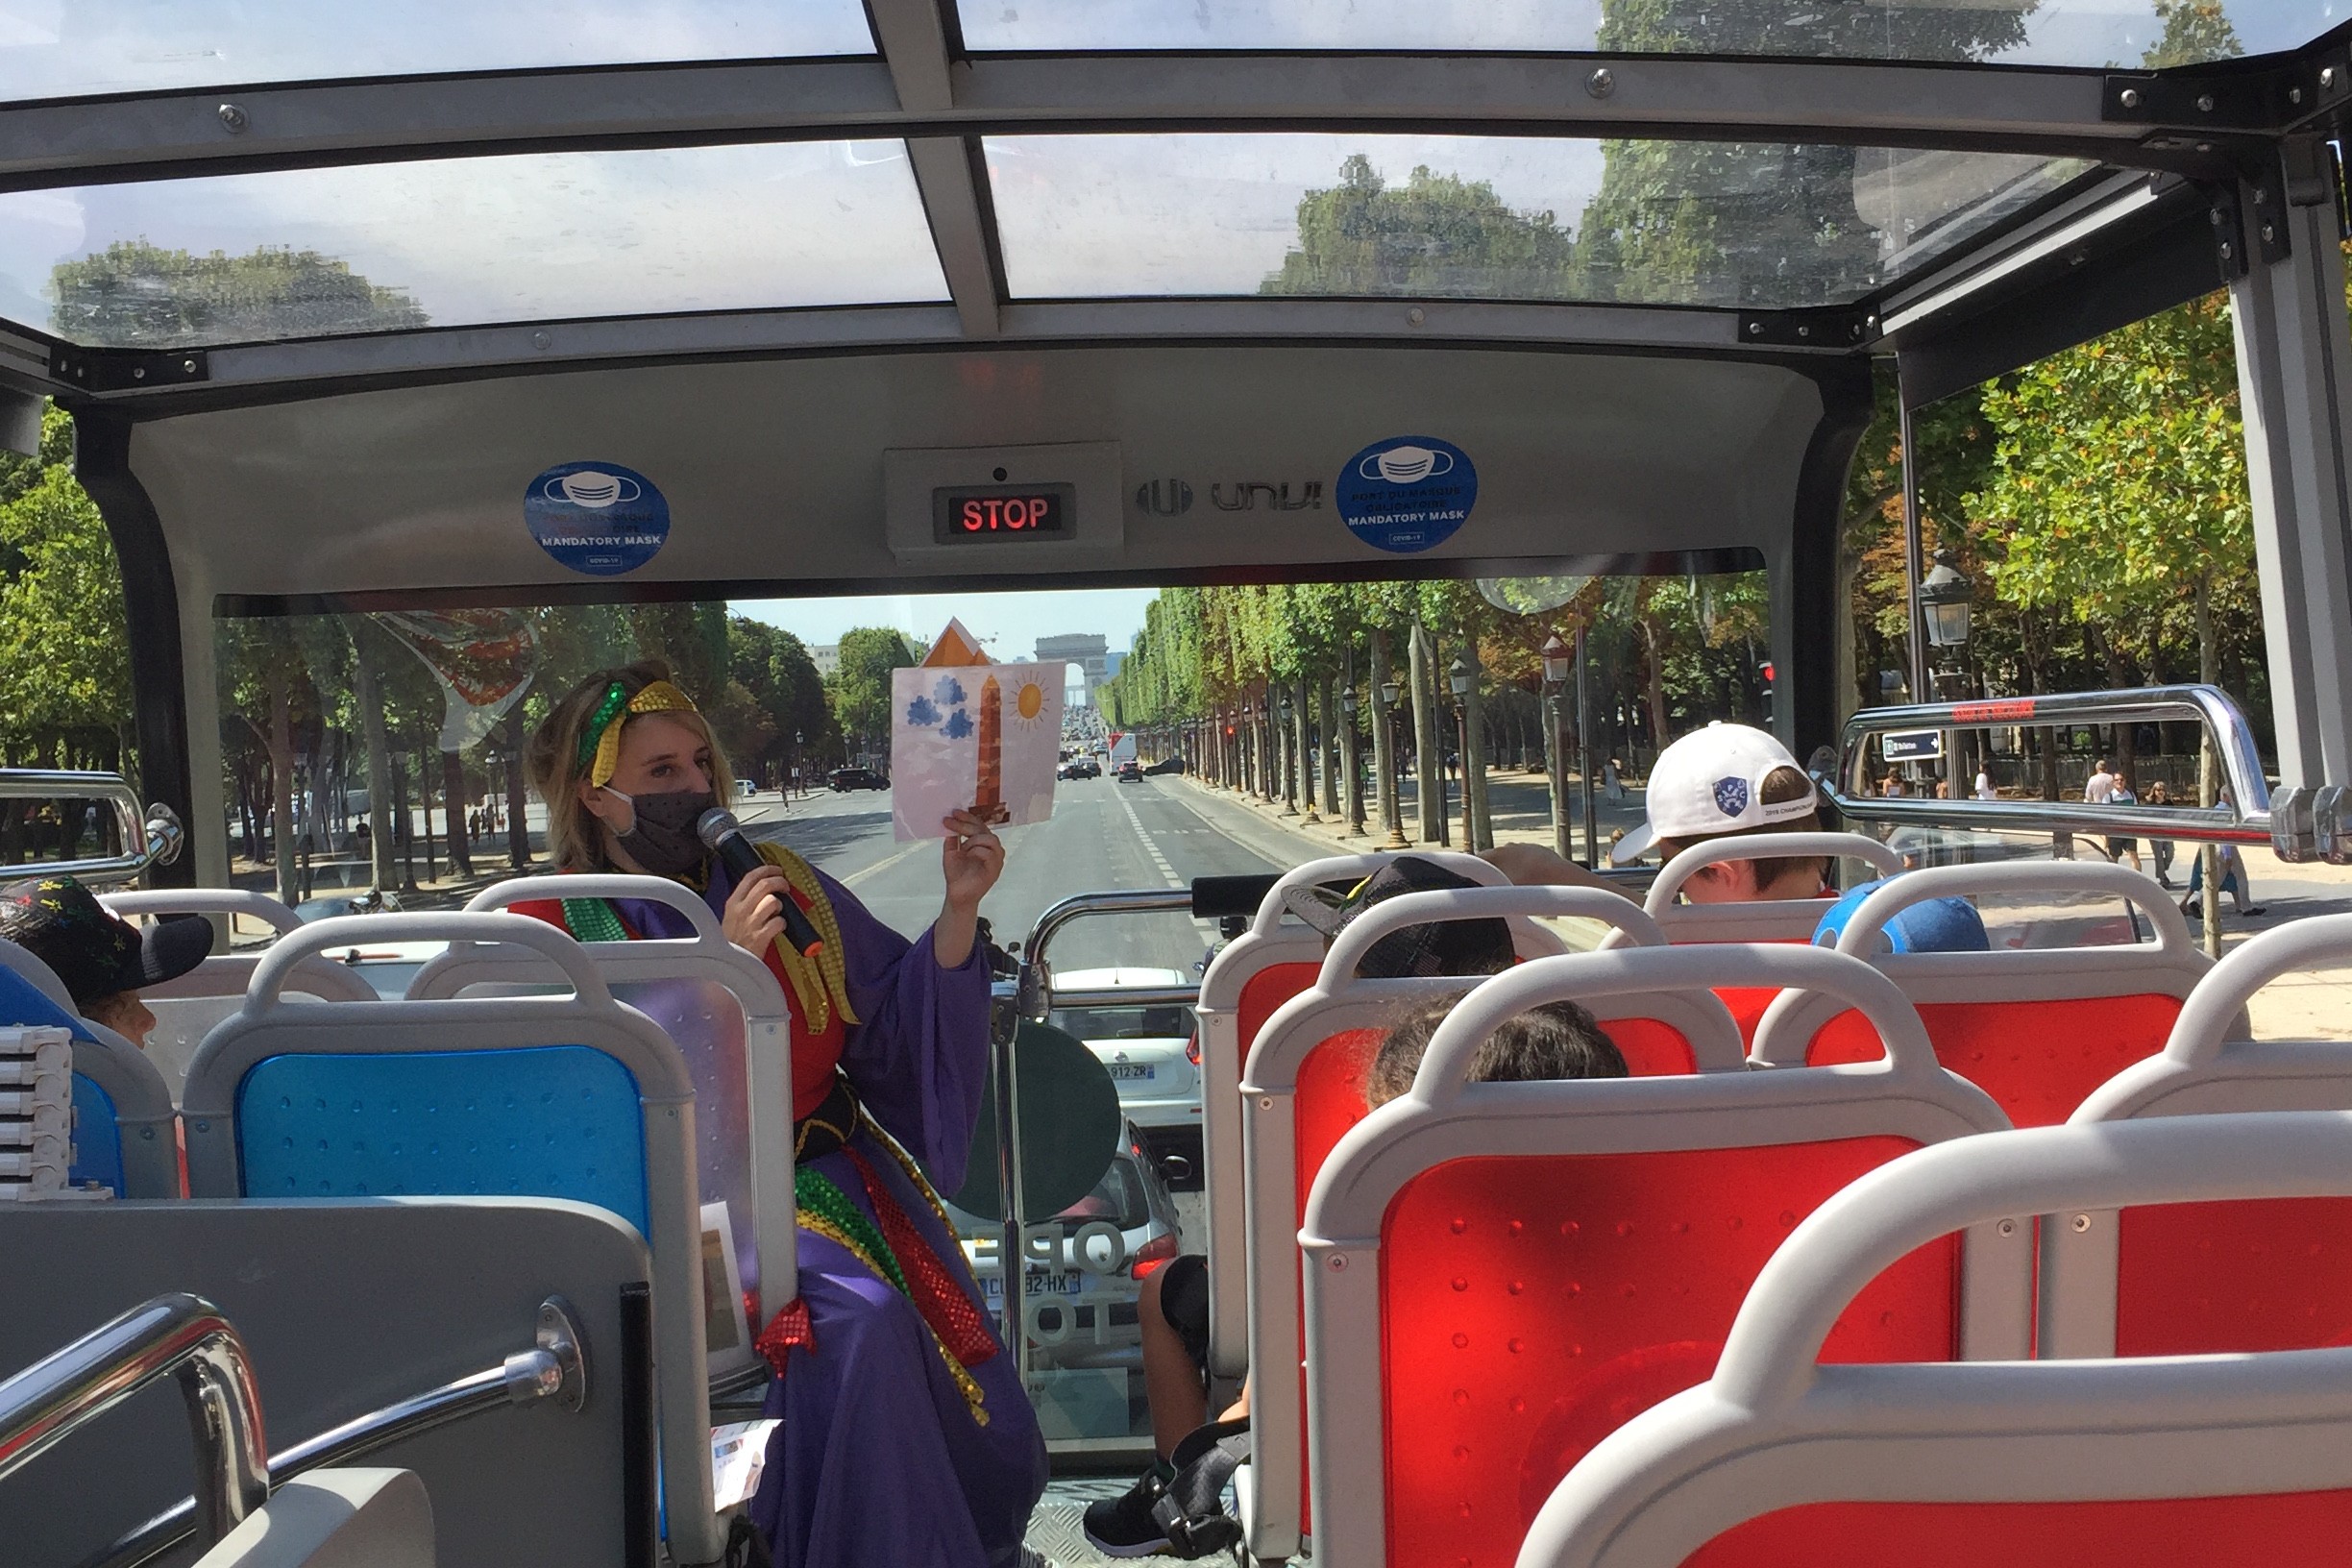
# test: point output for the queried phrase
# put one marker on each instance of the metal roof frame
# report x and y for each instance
(2210, 126)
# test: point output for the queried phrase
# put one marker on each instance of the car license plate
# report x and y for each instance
(991, 1285)
(1134, 1071)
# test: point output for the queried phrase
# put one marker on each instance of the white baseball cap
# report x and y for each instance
(1711, 781)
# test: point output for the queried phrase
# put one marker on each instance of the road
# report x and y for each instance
(1103, 835)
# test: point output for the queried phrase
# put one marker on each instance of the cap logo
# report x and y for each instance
(1731, 796)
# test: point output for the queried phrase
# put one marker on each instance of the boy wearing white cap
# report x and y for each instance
(1723, 781)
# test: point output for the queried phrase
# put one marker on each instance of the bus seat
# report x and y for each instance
(2037, 1029)
(1777, 919)
(569, 1096)
(729, 1019)
(349, 1308)
(1251, 976)
(1497, 1275)
(125, 1137)
(187, 1008)
(2195, 1279)
(1781, 1460)
(1305, 1089)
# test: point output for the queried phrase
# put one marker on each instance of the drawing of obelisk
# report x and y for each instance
(987, 802)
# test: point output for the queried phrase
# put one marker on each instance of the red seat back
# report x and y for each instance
(1265, 992)
(2292, 1529)
(1531, 1305)
(2204, 1278)
(2038, 1060)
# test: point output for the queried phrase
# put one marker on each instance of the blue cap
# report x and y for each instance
(1932, 925)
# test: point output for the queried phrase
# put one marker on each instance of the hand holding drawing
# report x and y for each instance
(972, 858)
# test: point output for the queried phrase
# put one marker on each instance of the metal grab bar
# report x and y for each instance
(2246, 819)
(556, 1367)
(155, 829)
(177, 1334)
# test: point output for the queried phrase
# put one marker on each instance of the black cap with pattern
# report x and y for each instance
(1480, 946)
(58, 920)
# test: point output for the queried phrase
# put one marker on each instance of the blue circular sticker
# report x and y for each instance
(597, 518)
(1407, 494)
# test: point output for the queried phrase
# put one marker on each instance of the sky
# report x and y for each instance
(1007, 625)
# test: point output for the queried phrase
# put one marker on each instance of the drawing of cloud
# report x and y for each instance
(922, 712)
(949, 691)
(958, 725)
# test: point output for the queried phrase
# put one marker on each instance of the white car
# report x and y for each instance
(1153, 1055)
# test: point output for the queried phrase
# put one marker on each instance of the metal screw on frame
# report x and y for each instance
(2129, 98)
(234, 117)
(1601, 84)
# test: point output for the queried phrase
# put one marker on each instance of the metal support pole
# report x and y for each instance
(2295, 379)
(1559, 735)
(1461, 730)
(1584, 755)
(1918, 614)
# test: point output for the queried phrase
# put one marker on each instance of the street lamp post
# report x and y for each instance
(1558, 660)
(1289, 746)
(1392, 691)
(1353, 753)
(1584, 761)
(1944, 597)
(1458, 677)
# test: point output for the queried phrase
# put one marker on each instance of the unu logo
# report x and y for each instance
(1731, 795)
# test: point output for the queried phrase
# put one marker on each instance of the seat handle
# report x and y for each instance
(1861, 933)
(277, 966)
(1393, 915)
(2207, 1019)
(1336, 867)
(656, 890)
(1765, 846)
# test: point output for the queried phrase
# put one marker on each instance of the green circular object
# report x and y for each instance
(1070, 1127)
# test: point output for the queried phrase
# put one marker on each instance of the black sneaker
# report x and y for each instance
(1123, 1525)
(1192, 1508)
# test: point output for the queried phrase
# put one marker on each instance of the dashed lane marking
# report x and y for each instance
(1160, 861)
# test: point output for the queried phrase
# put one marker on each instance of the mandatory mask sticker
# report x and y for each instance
(598, 518)
(1407, 494)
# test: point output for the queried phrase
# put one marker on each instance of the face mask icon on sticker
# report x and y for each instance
(1403, 465)
(592, 489)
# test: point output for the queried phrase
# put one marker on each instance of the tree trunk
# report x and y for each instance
(518, 795)
(453, 798)
(282, 782)
(365, 694)
(1474, 764)
(1383, 764)
(1426, 745)
(1303, 747)
(2209, 769)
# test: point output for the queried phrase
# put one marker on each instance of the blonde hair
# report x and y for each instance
(575, 839)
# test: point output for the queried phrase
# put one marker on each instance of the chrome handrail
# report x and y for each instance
(555, 1367)
(2246, 820)
(176, 1335)
(156, 829)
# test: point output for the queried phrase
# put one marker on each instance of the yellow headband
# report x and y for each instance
(604, 728)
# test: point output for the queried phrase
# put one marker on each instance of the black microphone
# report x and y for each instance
(724, 836)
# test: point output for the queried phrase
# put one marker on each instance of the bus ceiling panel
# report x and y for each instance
(77, 48)
(1953, 105)
(1742, 226)
(2080, 32)
(230, 259)
(2149, 266)
(1222, 461)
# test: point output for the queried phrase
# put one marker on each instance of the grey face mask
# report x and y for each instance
(663, 840)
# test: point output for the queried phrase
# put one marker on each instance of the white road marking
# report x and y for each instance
(1161, 861)
(881, 866)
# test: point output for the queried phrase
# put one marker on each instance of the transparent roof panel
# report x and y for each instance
(1730, 224)
(71, 48)
(309, 253)
(2098, 34)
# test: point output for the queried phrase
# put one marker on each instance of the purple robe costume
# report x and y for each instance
(878, 1463)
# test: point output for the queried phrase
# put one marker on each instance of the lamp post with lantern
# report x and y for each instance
(1943, 596)
(1458, 677)
(1558, 662)
(1351, 751)
(1392, 692)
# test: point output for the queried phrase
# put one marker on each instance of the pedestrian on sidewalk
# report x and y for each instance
(2161, 849)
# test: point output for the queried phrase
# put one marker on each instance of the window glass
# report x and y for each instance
(2087, 33)
(68, 48)
(307, 252)
(1731, 223)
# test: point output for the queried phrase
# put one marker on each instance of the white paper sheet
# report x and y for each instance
(988, 738)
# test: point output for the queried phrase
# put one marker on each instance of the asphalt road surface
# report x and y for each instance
(1103, 835)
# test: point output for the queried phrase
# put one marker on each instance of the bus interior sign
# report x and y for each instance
(1911, 744)
(1030, 511)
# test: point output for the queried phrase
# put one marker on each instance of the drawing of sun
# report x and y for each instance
(1029, 704)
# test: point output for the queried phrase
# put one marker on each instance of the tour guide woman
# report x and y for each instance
(897, 1399)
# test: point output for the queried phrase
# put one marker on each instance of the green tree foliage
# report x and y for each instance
(860, 690)
(64, 663)
(1437, 235)
(136, 295)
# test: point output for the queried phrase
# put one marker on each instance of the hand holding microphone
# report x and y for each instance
(724, 836)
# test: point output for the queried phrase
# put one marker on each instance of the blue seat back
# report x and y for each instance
(97, 1138)
(544, 1121)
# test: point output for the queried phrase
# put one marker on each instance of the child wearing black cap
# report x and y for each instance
(104, 961)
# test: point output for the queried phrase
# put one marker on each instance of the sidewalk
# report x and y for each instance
(2308, 1005)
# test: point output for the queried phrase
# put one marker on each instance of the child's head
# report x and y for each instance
(101, 960)
(1558, 1040)
(1729, 781)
